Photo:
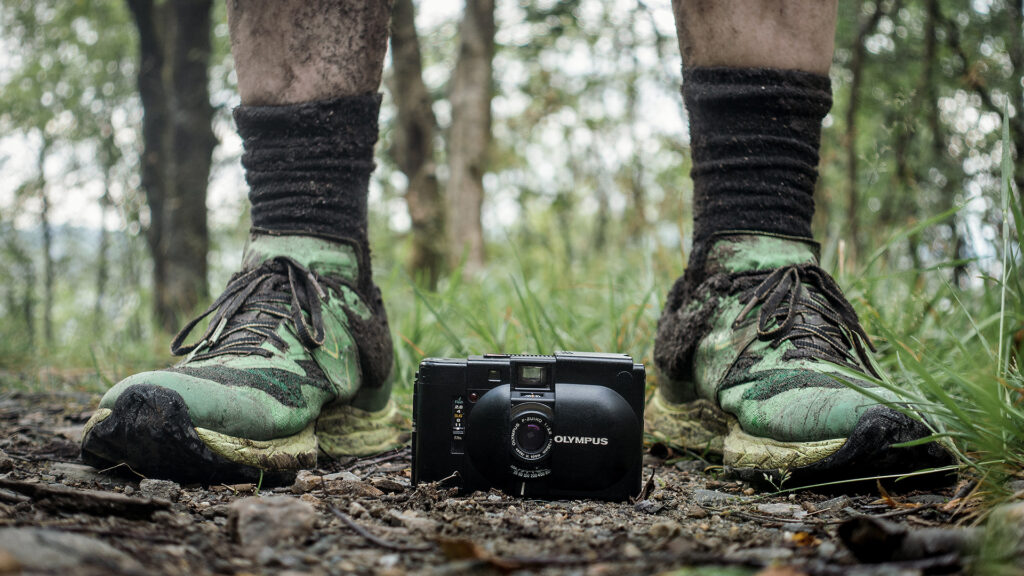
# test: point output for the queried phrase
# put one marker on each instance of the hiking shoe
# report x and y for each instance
(295, 361)
(749, 360)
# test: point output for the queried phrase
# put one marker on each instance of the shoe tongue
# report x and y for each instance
(743, 252)
(321, 256)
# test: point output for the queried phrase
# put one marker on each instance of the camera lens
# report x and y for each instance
(531, 437)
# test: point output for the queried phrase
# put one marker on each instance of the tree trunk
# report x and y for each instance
(470, 134)
(185, 238)
(49, 271)
(178, 142)
(154, 159)
(867, 27)
(102, 266)
(413, 148)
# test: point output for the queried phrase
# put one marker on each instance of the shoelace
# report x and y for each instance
(281, 289)
(788, 296)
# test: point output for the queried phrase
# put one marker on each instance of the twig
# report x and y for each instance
(95, 502)
(373, 538)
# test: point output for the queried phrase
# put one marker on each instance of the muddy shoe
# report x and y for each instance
(761, 338)
(295, 361)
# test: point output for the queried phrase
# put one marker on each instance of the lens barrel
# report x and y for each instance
(532, 435)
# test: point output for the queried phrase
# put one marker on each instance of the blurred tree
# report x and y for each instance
(413, 146)
(469, 136)
(178, 143)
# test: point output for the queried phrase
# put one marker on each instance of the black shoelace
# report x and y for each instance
(802, 304)
(252, 307)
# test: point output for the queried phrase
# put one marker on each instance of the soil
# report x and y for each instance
(362, 516)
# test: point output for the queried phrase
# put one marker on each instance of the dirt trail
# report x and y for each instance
(59, 516)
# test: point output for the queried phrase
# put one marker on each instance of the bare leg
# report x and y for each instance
(784, 34)
(287, 52)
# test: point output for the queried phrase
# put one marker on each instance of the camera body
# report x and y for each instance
(563, 426)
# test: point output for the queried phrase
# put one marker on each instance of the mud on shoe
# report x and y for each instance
(295, 361)
(763, 337)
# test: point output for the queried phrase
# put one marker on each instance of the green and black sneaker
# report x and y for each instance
(295, 361)
(748, 363)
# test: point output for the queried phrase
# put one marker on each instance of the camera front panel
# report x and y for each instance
(568, 425)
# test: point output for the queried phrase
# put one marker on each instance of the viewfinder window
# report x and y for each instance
(532, 376)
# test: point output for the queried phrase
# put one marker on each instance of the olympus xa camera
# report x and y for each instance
(562, 426)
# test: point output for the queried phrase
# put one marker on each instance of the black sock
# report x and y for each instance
(308, 165)
(754, 135)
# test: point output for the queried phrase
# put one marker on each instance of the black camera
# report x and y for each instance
(562, 426)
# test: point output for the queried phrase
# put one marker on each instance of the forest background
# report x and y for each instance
(532, 188)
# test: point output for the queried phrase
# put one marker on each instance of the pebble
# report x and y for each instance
(694, 511)
(37, 550)
(414, 521)
(927, 499)
(72, 472)
(256, 522)
(387, 485)
(665, 529)
(306, 481)
(356, 510)
(712, 498)
(343, 475)
(164, 489)
(690, 465)
(833, 504)
(648, 507)
(781, 509)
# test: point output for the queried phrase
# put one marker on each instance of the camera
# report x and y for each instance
(549, 427)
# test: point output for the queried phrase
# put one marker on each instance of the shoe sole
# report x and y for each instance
(150, 431)
(868, 451)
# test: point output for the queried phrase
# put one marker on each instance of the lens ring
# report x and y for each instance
(531, 437)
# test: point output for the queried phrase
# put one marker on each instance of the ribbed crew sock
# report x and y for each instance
(308, 165)
(754, 136)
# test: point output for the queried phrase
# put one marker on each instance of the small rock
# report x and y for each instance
(256, 522)
(1012, 486)
(927, 499)
(665, 529)
(781, 509)
(630, 550)
(357, 489)
(72, 472)
(648, 507)
(356, 510)
(6, 462)
(493, 498)
(833, 504)
(826, 549)
(387, 485)
(344, 475)
(306, 481)
(160, 489)
(694, 511)
(414, 521)
(693, 466)
(712, 498)
(38, 550)
(311, 500)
